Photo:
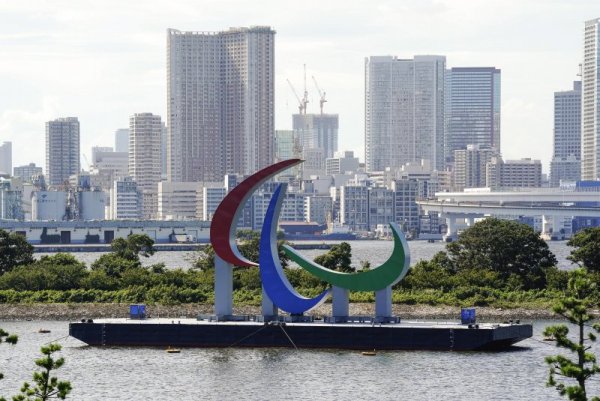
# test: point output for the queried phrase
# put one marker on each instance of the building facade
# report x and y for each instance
(125, 200)
(472, 104)
(317, 131)
(566, 157)
(590, 102)
(62, 150)
(178, 200)
(342, 163)
(404, 111)
(122, 140)
(513, 173)
(6, 158)
(27, 172)
(145, 131)
(470, 166)
(220, 101)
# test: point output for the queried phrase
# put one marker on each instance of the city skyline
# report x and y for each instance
(125, 66)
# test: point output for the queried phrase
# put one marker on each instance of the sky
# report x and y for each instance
(103, 61)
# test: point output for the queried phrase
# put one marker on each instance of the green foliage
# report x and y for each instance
(506, 247)
(339, 258)
(587, 252)
(114, 265)
(60, 272)
(575, 308)
(132, 247)
(14, 251)
(45, 386)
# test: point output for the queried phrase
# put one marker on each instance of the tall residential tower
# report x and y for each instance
(472, 109)
(62, 150)
(404, 111)
(220, 100)
(566, 157)
(590, 102)
(145, 131)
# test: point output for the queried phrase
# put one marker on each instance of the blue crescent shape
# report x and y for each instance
(274, 281)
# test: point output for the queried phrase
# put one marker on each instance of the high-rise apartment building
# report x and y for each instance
(62, 150)
(566, 157)
(472, 104)
(145, 131)
(220, 100)
(590, 102)
(6, 158)
(404, 111)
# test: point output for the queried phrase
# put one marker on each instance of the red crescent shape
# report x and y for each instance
(222, 228)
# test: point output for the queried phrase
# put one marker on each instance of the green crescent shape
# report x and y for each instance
(389, 273)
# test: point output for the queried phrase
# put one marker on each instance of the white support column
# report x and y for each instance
(470, 220)
(451, 223)
(268, 307)
(340, 302)
(223, 287)
(383, 302)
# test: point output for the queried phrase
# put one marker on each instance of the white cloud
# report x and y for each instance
(103, 61)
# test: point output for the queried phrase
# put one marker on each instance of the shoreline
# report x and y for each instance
(76, 312)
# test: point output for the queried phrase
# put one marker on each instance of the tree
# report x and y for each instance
(114, 265)
(512, 249)
(587, 252)
(339, 257)
(45, 386)
(575, 308)
(133, 246)
(14, 251)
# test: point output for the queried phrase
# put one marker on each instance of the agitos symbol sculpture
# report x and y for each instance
(275, 284)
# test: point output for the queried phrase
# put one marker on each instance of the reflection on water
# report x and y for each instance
(113, 373)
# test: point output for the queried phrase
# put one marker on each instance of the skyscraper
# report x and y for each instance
(472, 102)
(404, 111)
(6, 158)
(317, 131)
(220, 102)
(145, 131)
(62, 150)
(566, 157)
(122, 140)
(590, 102)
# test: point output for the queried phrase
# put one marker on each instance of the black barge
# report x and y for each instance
(357, 335)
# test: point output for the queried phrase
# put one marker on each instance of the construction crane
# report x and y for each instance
(322, 94)
(305, 98)
(301, 106)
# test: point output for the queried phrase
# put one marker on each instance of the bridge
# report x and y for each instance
(554, 206)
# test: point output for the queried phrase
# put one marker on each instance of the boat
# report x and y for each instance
(171, 350)
(364, 334)
(44, 331)
(369, 353)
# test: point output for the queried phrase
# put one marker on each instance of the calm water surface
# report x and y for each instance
(373, 251)
(282, 374)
